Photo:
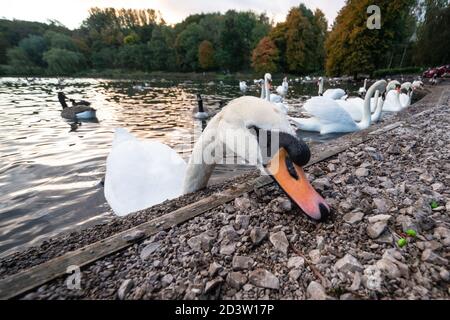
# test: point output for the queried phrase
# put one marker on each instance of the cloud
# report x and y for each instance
(73, 12)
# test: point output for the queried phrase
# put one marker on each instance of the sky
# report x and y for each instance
(72, 12)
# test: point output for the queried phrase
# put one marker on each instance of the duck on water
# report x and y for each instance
(80, 110)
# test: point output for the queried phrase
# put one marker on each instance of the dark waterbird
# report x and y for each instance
(78, 111)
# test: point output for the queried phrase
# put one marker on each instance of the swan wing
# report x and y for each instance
(140, 174)
(334, 93)
(327, 110)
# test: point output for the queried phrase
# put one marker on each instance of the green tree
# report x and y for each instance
(20, 61)
(34, 46)
(63, 61)
(186, 46)
(265, 56)
(433, 46)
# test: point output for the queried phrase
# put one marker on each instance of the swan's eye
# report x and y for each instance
(291, 168)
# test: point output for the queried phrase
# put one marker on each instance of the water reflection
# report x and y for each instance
(51, 168)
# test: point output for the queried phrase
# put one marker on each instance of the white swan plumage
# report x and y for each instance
(140, 174)
(334, 94)
(362, 90)
(328, 116)
(243, 86)
(283, 89)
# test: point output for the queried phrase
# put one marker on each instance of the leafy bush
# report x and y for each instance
(64, 62)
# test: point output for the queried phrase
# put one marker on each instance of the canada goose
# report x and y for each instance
(79, 111)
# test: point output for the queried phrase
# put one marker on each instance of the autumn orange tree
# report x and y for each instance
(352, 48)
(206, 55)
(265, 56)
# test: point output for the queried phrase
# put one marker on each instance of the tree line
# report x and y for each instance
(413, 32)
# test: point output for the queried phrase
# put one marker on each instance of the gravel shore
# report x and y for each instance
(261, 246)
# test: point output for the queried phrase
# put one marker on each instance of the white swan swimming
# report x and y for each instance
(243, 86)
(283, 89)
(140, 174)
(395, 99)
(334, 94)
(328, 116)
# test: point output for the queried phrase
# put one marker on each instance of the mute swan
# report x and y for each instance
(243, 86)
(331, 93)
(283, 89)
(417, 84)
(274, 98)
(81, 111)
(362, 91)
(395, 100)
(140, 174)
(328, 116)
(200, 112)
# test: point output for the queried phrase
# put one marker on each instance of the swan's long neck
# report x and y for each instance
(365, 84)
(321, 87)
(366, 116)
(266, 88)
(263, 91)
(378, 107)
(202, 162)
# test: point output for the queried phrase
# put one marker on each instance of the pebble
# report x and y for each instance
(166, 280)
(125, 288)
(257, 235)
(315, 291)
(228, 249)
(429, 256)
(362, 172)
(149, 249)
(236, 280)
(243, 221)
(296, 262)
(376, 229)
(201, 242)
(242, 263)
(212, 285)
(264, 279)
(382, 205)
(348, 263)
(214, 268)
(379, 218)
(353, 217)
(279, 241)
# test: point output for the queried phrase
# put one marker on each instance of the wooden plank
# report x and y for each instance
(31, 278)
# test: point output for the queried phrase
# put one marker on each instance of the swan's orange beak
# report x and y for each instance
(293, 181)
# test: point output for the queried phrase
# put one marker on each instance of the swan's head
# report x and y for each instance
(393, 85)
(406, 87)
(285, 166)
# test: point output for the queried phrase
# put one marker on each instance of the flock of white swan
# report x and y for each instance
(142, 173)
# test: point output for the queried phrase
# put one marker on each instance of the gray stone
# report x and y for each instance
(201, 242)
(212, 285)
(321, 184)
(279, 241)
(264, 279)
(285, 205)
(431, 257)
(214, 268)
(294, 274)
(236, 280)
(315, 256)
(353, 217)
(362, 172)
(315, 291)
(242, 263)
(133, 235)
(376, 229)
(228, 233)
(347, 296)
(372, 278)
(228, 249)
(356, 282)
(149, 249)
(444, 274)
(243, 221)
(296, 262)
(258, 235)
(125, 288)
(242, 203)
(379, 218)
(348, 263)
(166, 280)
(382, 205)
(388, 268)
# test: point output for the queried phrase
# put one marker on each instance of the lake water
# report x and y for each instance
(51, 168)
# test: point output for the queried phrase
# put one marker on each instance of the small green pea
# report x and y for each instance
(411, 233)
(401, 242)
(434, 204)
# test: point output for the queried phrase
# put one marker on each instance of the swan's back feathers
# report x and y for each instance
(140, 174)
(334, 93)
(327, 110)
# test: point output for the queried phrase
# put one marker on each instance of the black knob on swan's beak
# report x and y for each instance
(297, 149)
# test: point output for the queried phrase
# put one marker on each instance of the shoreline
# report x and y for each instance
(181, 261)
